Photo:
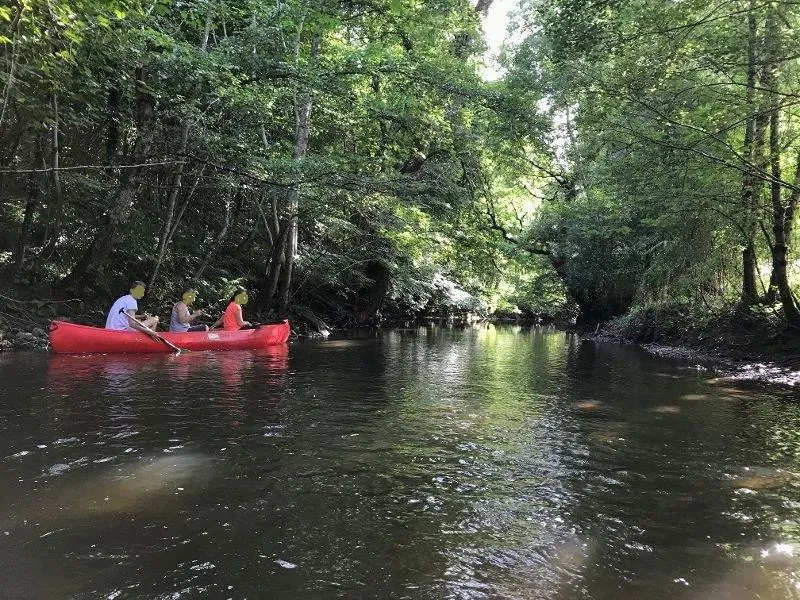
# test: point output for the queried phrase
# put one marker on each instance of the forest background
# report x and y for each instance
(345, 160)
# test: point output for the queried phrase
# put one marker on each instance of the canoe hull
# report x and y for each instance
(69, 338)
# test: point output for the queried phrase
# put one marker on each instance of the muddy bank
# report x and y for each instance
(733, 345)
(778, 370)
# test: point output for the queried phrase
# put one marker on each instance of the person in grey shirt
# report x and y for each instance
(182, 315)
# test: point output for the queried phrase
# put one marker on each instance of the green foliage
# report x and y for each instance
(396, 109)
(682, 322)
(605, 171)
(646, 160)
(661, 322)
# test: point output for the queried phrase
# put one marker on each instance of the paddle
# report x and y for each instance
(169, 344)
(151, 334)
(260, 325)
(252, 325)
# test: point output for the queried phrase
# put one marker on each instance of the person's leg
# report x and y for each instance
(198, 328)
(150, 323)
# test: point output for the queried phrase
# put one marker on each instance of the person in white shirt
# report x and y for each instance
(123, 317)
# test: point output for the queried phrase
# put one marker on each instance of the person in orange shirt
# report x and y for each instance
(231, 319)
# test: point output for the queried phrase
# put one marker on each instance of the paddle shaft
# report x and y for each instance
(169, 344)
(147, 331)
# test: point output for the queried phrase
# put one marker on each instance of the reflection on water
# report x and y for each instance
(421, 463)
(137, 484)
(120, 371)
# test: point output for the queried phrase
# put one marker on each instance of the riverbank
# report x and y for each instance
(24, 323)
(740, 343)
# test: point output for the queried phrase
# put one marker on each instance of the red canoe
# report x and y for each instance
(81, 339)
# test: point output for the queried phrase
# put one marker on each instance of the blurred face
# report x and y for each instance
(241, 298)
(189, 296)
(137, 291)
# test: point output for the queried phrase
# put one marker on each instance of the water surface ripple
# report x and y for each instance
(475, 463)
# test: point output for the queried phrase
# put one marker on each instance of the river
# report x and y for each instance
(485, 462)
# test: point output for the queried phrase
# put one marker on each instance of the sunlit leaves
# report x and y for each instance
(398, 109)
(646, 102)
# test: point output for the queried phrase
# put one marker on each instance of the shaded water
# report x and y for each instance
(427, 463)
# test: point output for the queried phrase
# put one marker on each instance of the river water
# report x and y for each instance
(424, 463)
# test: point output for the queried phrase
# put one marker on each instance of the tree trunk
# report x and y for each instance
(381, 277)
(226, 222)
(782, 214)
(749, 290)
(112, 126)
(56, 208)
(177, 220)
(173, 197)
(783, 220)
(31, 208)
(276, 263)
(301, 132)
(120, 210)
(10, 152)
(275, 230)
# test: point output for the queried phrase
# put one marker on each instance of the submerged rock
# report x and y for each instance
(763, 479)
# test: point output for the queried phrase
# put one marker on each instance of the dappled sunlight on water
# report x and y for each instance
(485, 462)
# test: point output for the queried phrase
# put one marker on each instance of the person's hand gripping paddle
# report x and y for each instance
(152, 334)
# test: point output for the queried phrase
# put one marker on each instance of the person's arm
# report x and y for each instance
(131, 314)
(186, 317)
(217, 323)
(183, 314)
(239, 318)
